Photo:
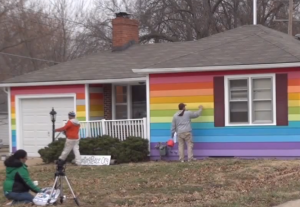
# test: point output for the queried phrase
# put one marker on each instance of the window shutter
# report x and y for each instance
(282, 100)
(219, 105)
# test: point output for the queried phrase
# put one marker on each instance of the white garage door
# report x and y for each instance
(35, 122)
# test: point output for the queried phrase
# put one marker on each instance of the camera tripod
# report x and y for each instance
(59, 174)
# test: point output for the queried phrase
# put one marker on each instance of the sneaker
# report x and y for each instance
(9, 203)
(182, 161)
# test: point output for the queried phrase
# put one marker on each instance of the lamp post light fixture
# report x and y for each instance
(53, 119)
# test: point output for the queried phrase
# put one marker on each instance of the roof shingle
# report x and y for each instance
(251, 44)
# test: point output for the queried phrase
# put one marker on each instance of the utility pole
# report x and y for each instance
(291, 11)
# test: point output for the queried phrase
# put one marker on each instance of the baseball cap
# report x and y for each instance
(71, 113)
(181, 106)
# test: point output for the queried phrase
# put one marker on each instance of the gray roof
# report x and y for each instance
(250, 44)
(3, 102)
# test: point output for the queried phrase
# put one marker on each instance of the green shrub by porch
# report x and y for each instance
(133, 149)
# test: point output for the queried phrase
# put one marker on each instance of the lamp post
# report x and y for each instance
(53, 119)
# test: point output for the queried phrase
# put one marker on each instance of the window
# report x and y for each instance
(138, 98)
(250, 100)
(129, 102)
(121, 102)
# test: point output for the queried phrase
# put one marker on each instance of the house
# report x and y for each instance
(247, 79)
(4, 135)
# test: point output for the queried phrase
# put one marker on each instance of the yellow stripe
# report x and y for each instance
(192, 92)
(13, 116)
(96, 108)
(80, 114)
(96, 113)
(80, 108)
(294, 117)
(178, 99)
(13, 127)
(169, 119)
(174, 106)
(292, 103)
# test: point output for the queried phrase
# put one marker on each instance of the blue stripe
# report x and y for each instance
(207, 125)
(13, 133)
(292, 138)
(210, 125)
(234, 131)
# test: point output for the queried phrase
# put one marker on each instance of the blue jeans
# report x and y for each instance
(25, 197)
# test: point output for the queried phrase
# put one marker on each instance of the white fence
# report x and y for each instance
(115, 128)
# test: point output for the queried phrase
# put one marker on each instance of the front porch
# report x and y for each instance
(115, 109)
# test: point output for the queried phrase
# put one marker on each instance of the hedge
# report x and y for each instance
(133, 149)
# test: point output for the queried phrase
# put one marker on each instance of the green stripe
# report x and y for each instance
(81, 118)
(13, 122)
(294, 110)
(170, 113)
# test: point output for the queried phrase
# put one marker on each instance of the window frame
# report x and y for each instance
(129, 103)
(250, 78)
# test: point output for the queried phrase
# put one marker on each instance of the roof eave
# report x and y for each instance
(77, 82)
(216, 68)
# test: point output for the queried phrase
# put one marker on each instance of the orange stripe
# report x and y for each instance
(294, 89)
(12, 98)
(80, 108)
(181, 86)
(80, 96)
(294, 82)
(96, 102)
(12, 104)
(13, 110)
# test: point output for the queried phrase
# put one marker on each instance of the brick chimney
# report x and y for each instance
(125, 32)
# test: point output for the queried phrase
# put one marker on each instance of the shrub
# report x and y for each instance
(133, 149)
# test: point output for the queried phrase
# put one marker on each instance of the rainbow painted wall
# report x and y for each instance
(194, 89)
(96, 102)
(80, 101)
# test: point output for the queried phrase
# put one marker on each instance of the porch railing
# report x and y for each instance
(114, 128)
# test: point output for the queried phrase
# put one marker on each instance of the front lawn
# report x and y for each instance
(207, 183)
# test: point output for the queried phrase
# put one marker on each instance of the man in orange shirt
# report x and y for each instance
(72, 141)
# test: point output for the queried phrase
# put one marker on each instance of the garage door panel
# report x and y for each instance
(36, 124)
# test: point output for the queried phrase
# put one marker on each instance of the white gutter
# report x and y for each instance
(76, 82)
(216, 68)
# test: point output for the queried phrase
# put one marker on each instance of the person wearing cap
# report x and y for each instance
(71, 130)
(181, 124)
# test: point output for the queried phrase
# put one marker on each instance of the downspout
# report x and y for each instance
(7, 91)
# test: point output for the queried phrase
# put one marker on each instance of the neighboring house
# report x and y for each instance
(4, 128)
(247, 79)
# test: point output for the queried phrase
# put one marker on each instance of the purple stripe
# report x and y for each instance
(157, 158)
(236, 153)
(240, 145)
(14, 149)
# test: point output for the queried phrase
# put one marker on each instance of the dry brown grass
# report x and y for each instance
(208, 183)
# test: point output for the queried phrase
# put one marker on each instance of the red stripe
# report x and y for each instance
(183, 79)
(226, 72)
(294, 75)
(48, 89)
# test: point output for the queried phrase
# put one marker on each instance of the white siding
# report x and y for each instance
(4, 133)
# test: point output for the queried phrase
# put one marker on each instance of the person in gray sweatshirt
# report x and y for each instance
(181, 124)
